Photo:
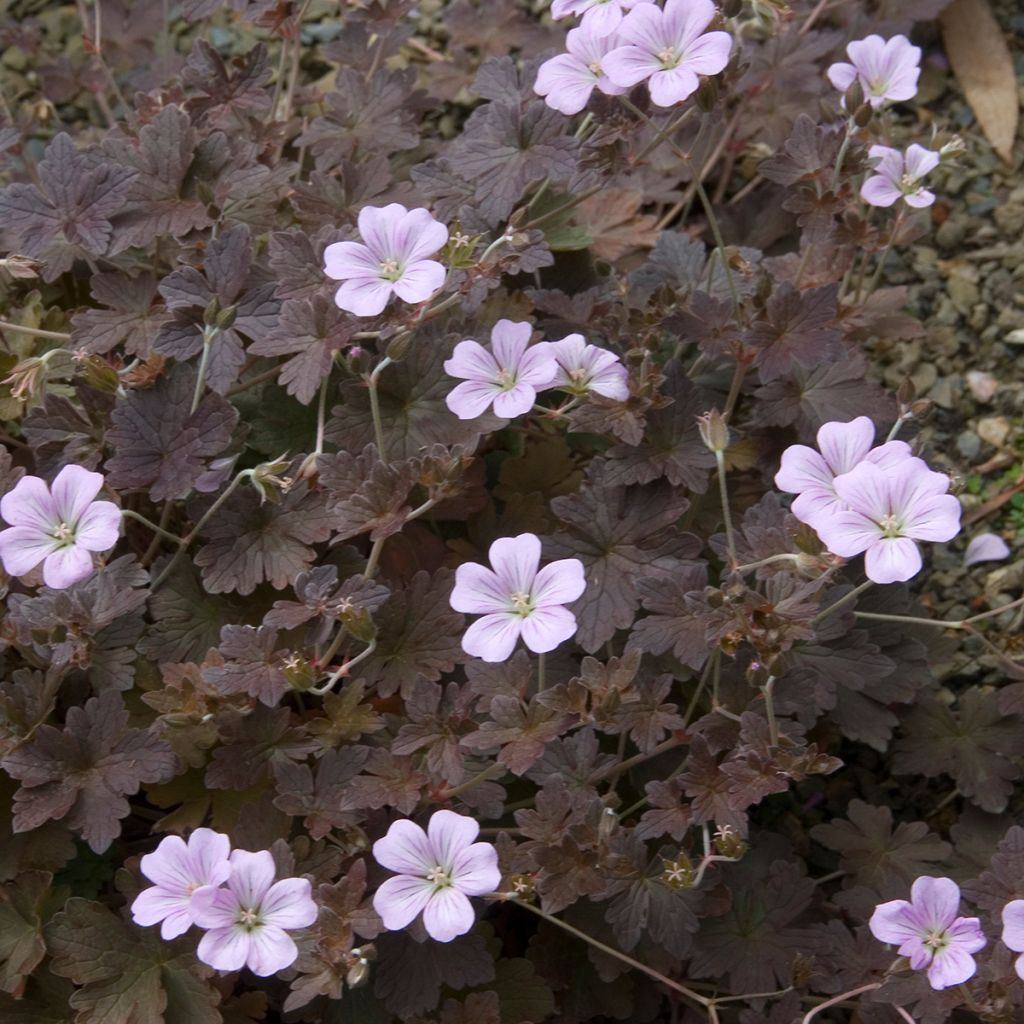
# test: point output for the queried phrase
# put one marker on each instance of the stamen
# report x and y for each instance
(439, 877)
(668, 57)
(522, 604)
(389, 269)
(64, 533)
(506, 379)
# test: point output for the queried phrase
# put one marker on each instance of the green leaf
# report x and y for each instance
(559, 231)
(128, 975)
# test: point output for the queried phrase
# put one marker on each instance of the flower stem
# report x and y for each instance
(34, 332)
(844, 600)
(838, 169)
(835, 1000)
(345, 669)
(723, 491)
(209, 333)
(378, 427)
(942, 623)
(321, 410)
(159, 530)
(540, 673)
(770, 560)
(769, 708)
(482, 776)
(618, 955)
(877, 276)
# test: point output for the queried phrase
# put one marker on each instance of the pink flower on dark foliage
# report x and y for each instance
(668, 48)
(393, 260)
(515, 599)
(602, 17)
(438, 871)
(809, 474)
(180, 870)
(566, 81)
(887, 69)
(929, 930)
(583, 368)
(887, 511)
(249, 920)
(509, 375)
(1013, 931)
(899, 177)
(60, 526)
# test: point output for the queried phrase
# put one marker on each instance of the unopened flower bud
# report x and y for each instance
(906, 392)
(854, 97)
(678, 873)
(211, 311)
(714, 431)
(757, 674)
(226, 317)
(920, 409)
(609, 822)
(398, 345)
(729, 843)
(863, 114)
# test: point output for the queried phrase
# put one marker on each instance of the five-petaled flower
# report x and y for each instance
(393, 260)
(179, 871)
(1013, 931)
(898, 176)
(602, 17)
(438, 871)
(887, 69)
(668, 48)
(249, 920)
(509, 375)
(887, 511)
(809, 474)
(583, 368)
(60, 526)
(566, 81)
(515, 599)
(929, 930)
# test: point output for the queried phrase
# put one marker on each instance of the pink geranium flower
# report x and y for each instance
(393, 260)
(249, 920)
(179, 871)
(566, 81)
(668, 48)
(888, 510)
(438, 871)
(509, 375)
(582, 368)
(810, 474)
(602, 17)
(888, 69)
(516, 600)
(929, 930)
(1013, 931)
(899, 177)
(60, 526)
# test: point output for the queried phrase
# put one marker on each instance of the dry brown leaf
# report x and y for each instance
(614, 224)
(982, 63)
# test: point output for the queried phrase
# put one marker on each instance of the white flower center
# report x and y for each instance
(936, 939)
(879, 87)
(669, 57)
(65, 534)
(595, 68)
(522, 603)
(908, 184)
(890, 525)
(440, 878)
(506, 379)
(248, 918)
(390, 270)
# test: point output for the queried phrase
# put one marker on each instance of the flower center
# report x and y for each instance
(390, 270)
(669, 57)
(522, 604)
(248, 918)
(936, 939)
(890, 525)
(506, 379)
(595, 68)
(908, 183)
(64, 533)
(441, 879)
(879, 87)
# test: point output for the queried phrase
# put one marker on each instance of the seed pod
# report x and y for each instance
(863, 114)
(714, 430)
(854, 96)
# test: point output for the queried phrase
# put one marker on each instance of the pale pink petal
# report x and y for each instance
(252, 874)
(889, 455)
(22, 548)
(892, 560)
(29, 503)
(670, 87)
(628, 65)
(893, 922)
(545, 628)
(270, 950)
(405, 849)
(478, 591)
(364, 296)
(471, 361)
(450, 834)
(603, 19)
(169, 864)
(66, 566)
(515, 561)
(934, 518)
(938, 900)
(986, 547)
(471, 398)
(99, 526)
(843, 445)
(475, 869)
(508, 342)
(538, 366)
(847, 533)
(802, 468)
(224, 949)
(289, 904)
(73, 489)
(815, 504)
(866, 489)
(399, 900)
(378, 225)
(709, 54)
(919, 199)
(566, 83)
(841, 75)
(559, 582)
(447, 915)
(1018, 966)
(516, 401)
(951, 966)
(209, 853)
(422, 236)
(612, 381)
(685, 20)
(920, 161)
(888, 161)
(493, 637)
(214, 908)
(879, 191)
(349, 259)
(420, 280)
(154, 905)
(1013, 925)
(967, 934)
(644, 27)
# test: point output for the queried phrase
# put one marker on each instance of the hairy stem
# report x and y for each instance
(836, 1000)
(209, 333)
(345, 669)
(844, 600)
(34, 332)
(378, 427)
(723, 491)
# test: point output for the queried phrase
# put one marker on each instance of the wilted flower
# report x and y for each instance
(887, 511)
(393, 260)
(899, 177)
(602, 17)
(582, 368)
(179, 870)
(668, 48)
(810, 474)
(986, 547)
(60, 526)
(438, 871)
(566, 81)
(510, 375)
(1013, 931)
(249, 920)
(887, 69)
(516, 600)
(929, 931)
